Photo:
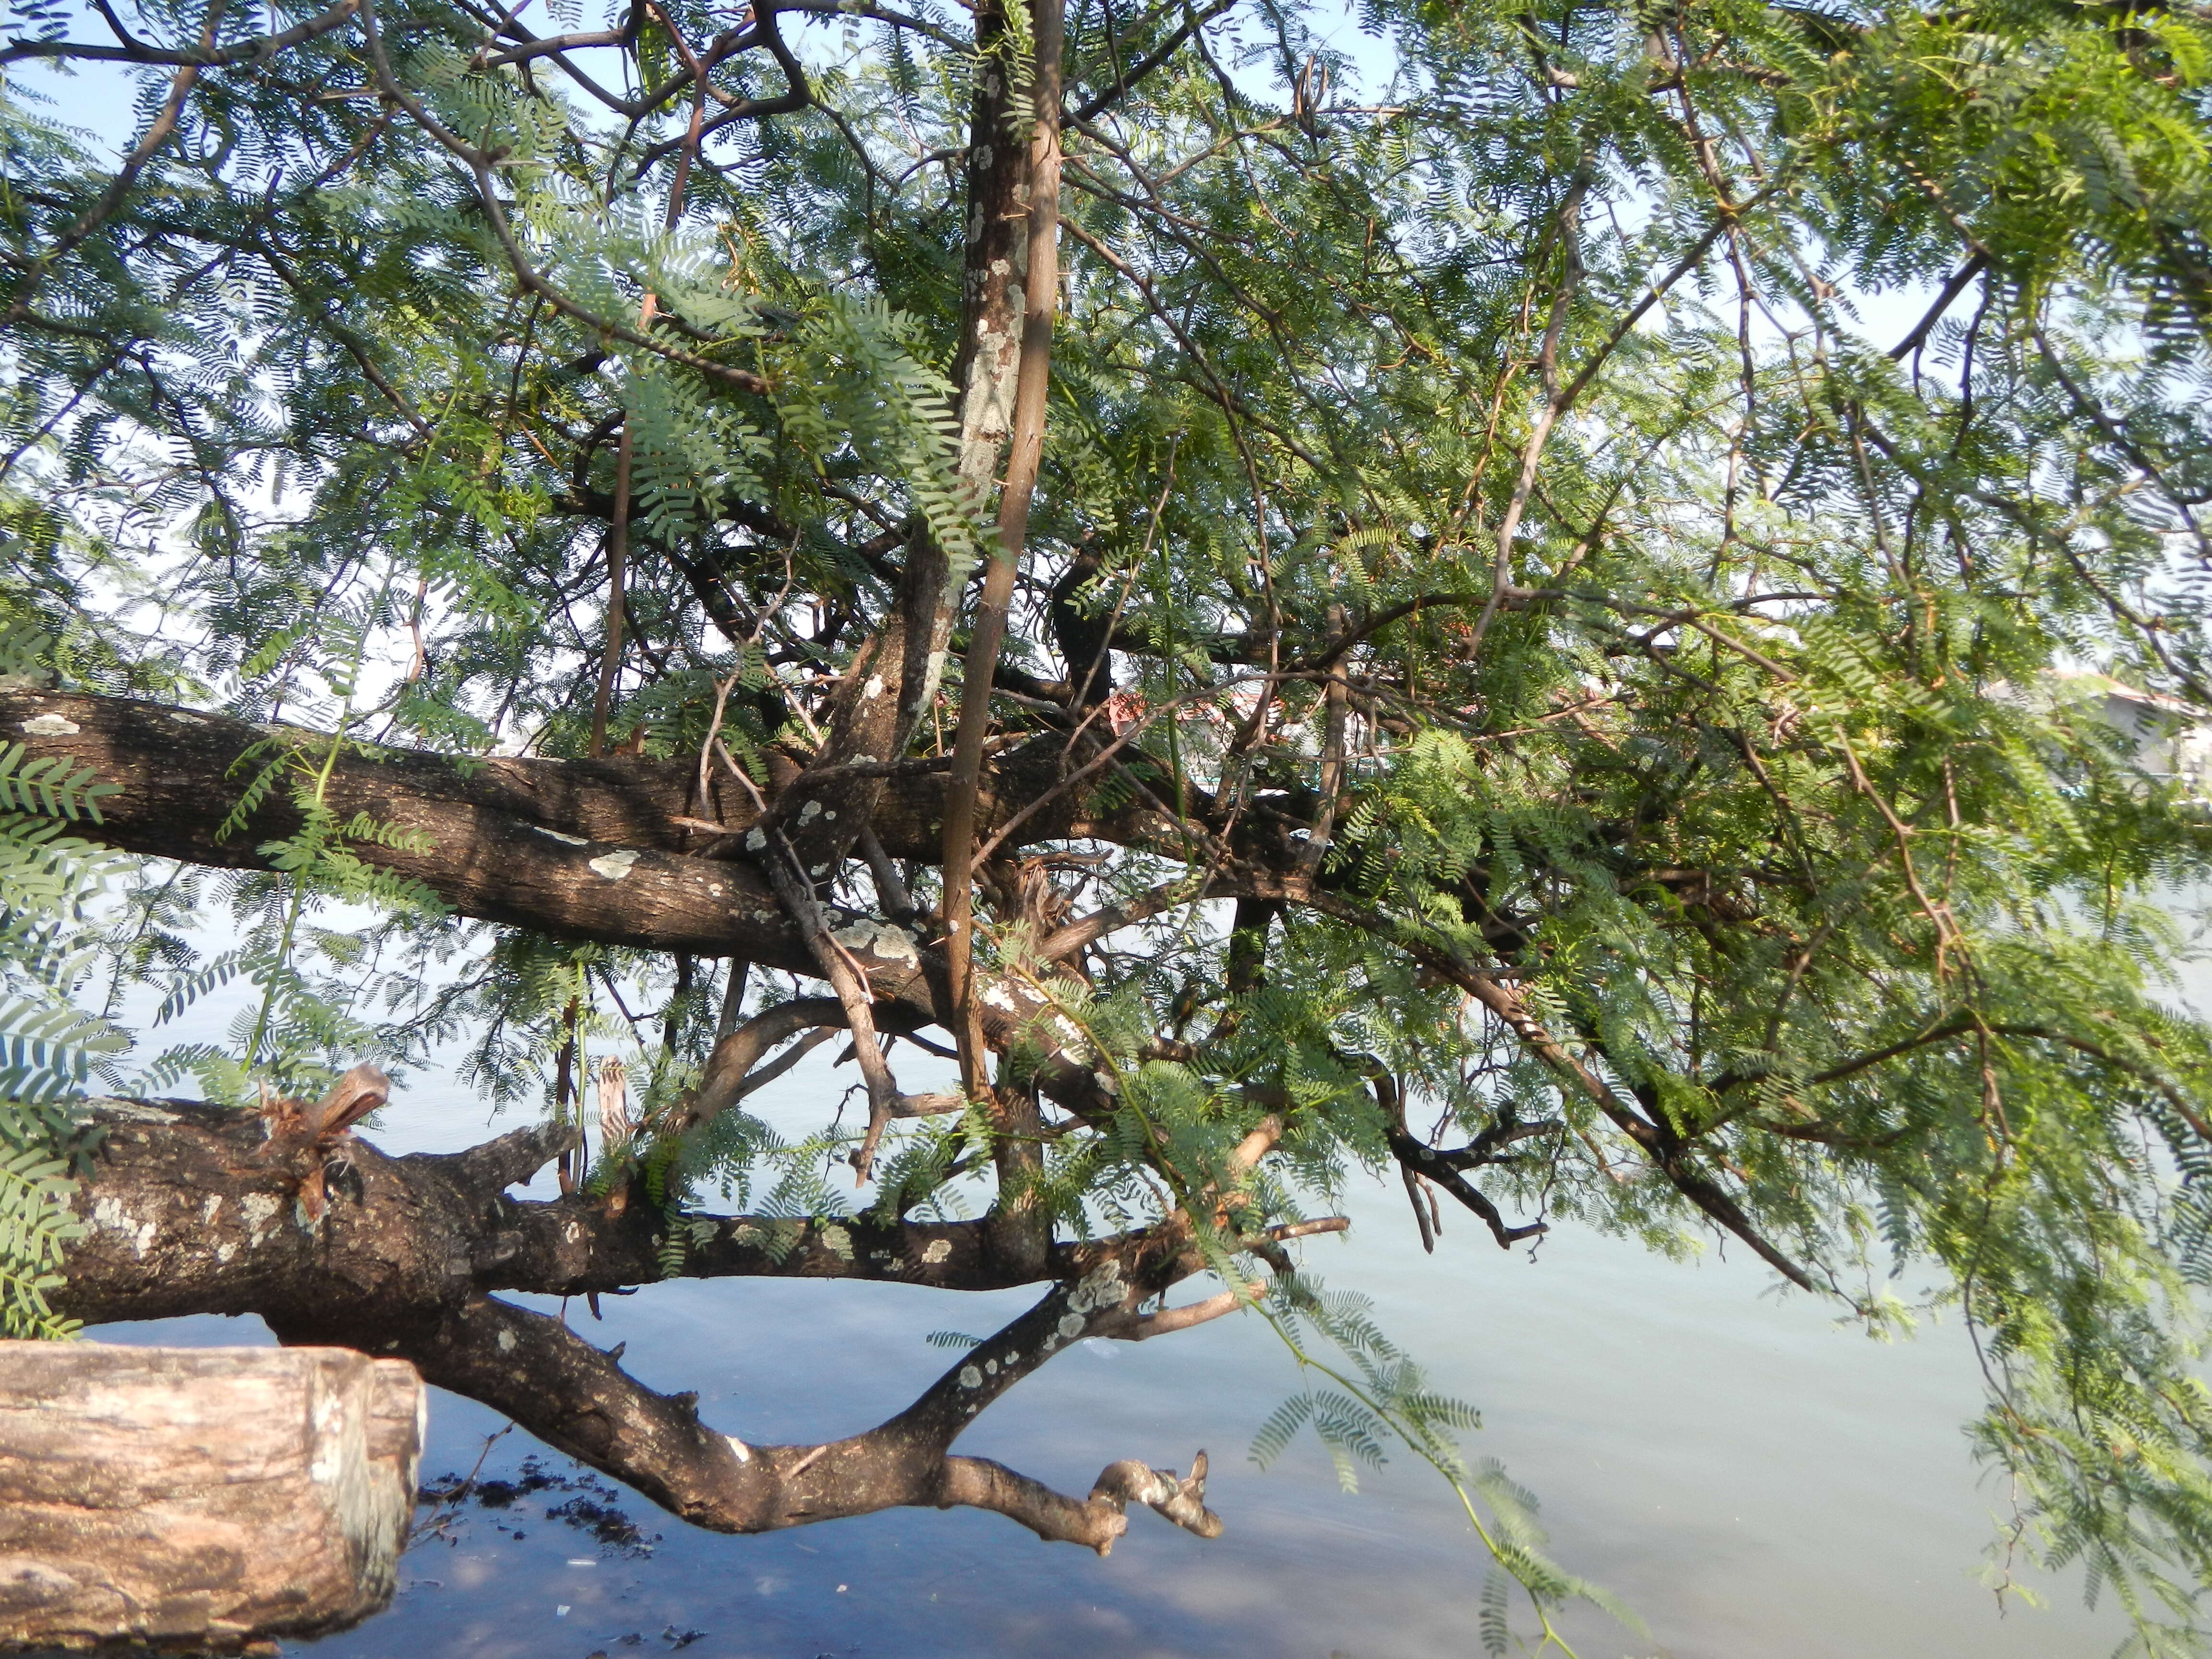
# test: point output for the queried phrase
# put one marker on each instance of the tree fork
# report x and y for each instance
(198, 1209)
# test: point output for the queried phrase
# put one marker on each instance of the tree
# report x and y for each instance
(1298, 635)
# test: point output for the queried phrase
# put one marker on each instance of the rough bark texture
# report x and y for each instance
(194, 1208)
(199, 1497)
(578, 849)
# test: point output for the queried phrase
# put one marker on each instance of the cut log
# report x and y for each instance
(199, 1497)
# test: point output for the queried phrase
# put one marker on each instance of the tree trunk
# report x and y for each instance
(200, 1496)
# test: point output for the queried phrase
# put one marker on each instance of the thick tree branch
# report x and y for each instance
(193, 1209)
(578, 848)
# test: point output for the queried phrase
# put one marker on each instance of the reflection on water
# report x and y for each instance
(1752, 1480)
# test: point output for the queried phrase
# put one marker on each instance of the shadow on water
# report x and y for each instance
(1751, 1479)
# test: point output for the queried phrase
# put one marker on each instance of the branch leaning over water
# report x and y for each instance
(402, 1259)
(507, 846)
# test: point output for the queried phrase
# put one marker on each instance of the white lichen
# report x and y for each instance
(260, 1210)
(937, 1251)
(1100, 1288)
(555, 835)
(110, 1214)
(614, 866)
(1071, 1041)
(50, 725)
(970, 1377)
(883, 940)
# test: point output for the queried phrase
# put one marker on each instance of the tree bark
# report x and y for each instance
(200, 1496)
(195, 1209)
(1019, 1152)
(502, 841)
(577, 848)
(893, 679)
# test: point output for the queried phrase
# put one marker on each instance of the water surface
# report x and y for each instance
(1752, 1478)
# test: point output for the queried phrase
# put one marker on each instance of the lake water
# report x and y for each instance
(1751, 1478)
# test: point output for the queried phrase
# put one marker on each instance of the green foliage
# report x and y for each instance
(37, 1217)
(48, 1046)
(1718, 644)
(1381, 1398)
(47, 1050)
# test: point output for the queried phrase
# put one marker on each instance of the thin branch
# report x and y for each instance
(1191, 22)
(206, 55)
(1951, 290)
(157, 135)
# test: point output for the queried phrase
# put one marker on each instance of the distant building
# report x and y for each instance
(2172, 738)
